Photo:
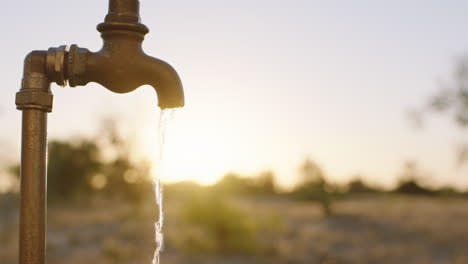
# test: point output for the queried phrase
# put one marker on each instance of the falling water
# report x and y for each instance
(165, 117)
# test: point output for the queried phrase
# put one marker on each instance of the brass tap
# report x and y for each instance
(121, 66)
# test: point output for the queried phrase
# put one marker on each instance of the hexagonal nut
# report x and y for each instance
(34, 99)
(77, 61)
(55, 65)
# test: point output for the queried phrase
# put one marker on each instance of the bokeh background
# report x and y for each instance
(313, 132)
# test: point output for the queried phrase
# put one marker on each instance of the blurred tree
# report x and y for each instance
(409, 181)
(8, 181)
(313, 186)
(13, 172)
(265, 183)
(357, 185)
(124, 174)
(79, 167)
(182, 190)
(452, 99)
(71, 167)
(233, 183)
(455, 96)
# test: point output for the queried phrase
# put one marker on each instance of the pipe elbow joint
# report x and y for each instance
(35, 85)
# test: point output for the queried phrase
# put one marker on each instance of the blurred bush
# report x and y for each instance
(182, 191)
(215, 224)
(314, 186)
(409, 181)
(357, 185)
(412, 187)
(82, 167)
(71, 167)
(235, 184)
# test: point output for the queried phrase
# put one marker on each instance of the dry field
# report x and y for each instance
(364, 230)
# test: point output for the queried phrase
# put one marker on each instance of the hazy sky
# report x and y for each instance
(267, 83)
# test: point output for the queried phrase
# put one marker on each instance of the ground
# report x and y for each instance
(372, 229)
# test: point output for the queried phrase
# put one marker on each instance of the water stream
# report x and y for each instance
(165, 117)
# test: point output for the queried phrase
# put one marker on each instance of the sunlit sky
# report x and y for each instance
(267, 83)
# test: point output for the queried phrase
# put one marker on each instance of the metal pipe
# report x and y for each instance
(124, 10)
(33, 187)
(35, 100)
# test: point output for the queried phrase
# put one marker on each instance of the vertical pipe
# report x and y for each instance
(123, 11)
(33, 187)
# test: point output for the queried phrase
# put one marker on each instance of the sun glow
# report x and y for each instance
(189, 154)
(186, 159)
(200, 150)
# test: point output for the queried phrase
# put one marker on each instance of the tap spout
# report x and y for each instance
(121, 65)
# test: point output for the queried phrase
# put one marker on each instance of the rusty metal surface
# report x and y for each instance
(33, 187)
(35, 100)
